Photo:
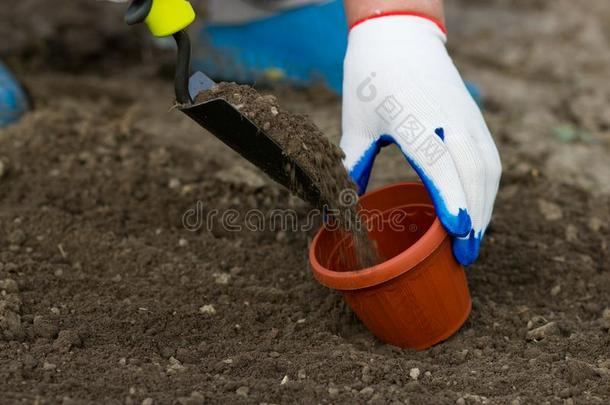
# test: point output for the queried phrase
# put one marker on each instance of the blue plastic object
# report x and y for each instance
(298, 46)
(13, 100)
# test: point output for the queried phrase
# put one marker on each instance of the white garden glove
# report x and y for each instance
(400, 86)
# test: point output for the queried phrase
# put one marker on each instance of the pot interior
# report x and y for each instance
(392, 231)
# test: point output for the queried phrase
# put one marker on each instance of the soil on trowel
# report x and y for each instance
(303, 142)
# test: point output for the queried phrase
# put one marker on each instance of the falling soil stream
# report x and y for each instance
(302, 141)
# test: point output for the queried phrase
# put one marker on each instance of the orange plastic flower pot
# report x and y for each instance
(418, 295)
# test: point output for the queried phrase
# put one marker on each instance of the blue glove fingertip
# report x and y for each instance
(456, 225)
(466, 250)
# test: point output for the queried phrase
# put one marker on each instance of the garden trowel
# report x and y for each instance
(171, 17)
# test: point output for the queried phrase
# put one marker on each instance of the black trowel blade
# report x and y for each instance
(229, 125)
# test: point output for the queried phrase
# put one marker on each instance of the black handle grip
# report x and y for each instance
(138, 11)
(183, 67)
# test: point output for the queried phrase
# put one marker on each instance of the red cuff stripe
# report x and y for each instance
(411, 13)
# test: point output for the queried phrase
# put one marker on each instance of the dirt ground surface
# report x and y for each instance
(106, 296)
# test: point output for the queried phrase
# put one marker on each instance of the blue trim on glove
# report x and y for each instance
(475, 93)
(456, 225)
(465, 244)
(361, 172)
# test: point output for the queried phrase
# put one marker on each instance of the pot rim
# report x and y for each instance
(387, 270)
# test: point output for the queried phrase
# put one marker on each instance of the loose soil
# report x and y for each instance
(305, 145)
(105, 297)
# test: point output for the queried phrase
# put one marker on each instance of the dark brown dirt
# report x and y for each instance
(303, 142)
(106, 298)
(74, 35)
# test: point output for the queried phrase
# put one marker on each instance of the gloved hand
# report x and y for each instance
(400, 86)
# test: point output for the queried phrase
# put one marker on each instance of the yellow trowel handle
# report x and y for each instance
(163, 17)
